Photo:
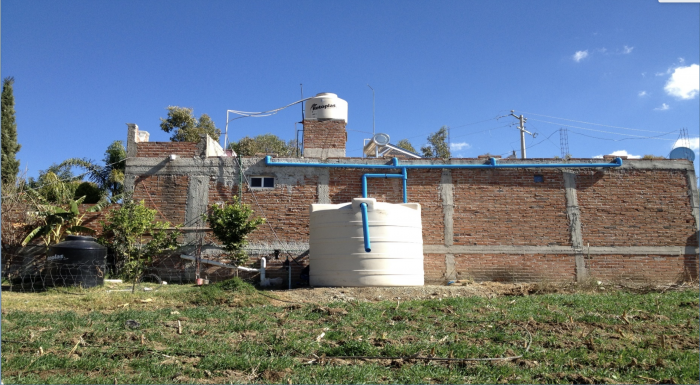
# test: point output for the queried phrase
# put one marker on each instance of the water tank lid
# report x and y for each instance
(326, 95)
(682, 153)
(79, 242)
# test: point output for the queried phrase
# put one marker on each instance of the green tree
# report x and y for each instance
(134, 235)
(437, 145)
(231, 225)
(89, 192)
(264, 144)
(406, 145)
(56, 185)
(108, 178)
(185, 127)
(10, 147)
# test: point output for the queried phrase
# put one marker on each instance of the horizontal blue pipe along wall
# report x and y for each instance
(491, 164)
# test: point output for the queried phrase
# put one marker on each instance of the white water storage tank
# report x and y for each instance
(337, 255)
(326, 106)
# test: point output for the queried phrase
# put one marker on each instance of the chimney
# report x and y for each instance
(325, 119)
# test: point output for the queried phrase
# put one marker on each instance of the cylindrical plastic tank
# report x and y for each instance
(337, 255)
(77, 261)
(325, 106)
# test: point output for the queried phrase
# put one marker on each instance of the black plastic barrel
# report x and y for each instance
(77, 261)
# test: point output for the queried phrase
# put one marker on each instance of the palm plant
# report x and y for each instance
(56, 222)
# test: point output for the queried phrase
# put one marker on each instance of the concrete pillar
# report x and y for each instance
(131, 139)
(693, 192)
(447, 195)
(322, 189)
(197, 201)
(573, 213)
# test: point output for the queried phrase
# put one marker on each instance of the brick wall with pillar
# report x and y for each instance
(324, 138)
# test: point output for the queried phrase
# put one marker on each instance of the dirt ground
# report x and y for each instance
(461, 289)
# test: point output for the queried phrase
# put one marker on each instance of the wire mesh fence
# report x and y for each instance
(36, 273)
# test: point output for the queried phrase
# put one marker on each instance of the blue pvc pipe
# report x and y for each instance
(492, 163)
(403, 175)
(405, 190)
(365, 226)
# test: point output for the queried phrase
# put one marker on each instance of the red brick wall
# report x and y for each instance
(286, 209)
(434, 268)
(93, 220)
(325, 134)
(643, 268)
(516, 268)
(506, 207)
(164, 149)
(635, 208)
(165, 193)
(423, 187)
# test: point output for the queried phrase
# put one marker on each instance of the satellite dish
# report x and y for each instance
(381, 139)
(682, 153)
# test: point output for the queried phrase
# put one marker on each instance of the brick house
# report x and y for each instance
(637, 222)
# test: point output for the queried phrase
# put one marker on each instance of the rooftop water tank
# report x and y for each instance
(337, 256)
(326, 106)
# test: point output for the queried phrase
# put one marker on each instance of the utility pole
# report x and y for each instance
(376, 152)
(522, 133)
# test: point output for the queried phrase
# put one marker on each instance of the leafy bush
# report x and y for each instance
(90, 191)
(231, 224)
(135, 237)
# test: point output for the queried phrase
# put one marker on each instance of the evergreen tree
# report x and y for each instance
(406, 145)
(10, 147)
(264, 144)
(437, 145)
(185, 127)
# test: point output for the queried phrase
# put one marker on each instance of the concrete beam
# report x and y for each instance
(324, 153)
(600, 250)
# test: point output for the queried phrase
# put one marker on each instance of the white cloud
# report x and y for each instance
(691, 143)
(663, 107)
(626, 50)
(684, 82)
(460, 146)
(621, 153)
(580, 55)
(642, 93)
(681, 60)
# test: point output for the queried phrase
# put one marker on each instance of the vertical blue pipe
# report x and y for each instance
(365, 226)
(364, 186)
(405, 178)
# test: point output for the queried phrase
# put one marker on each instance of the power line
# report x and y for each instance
(595, 124)
(610, 132)
(618, 140)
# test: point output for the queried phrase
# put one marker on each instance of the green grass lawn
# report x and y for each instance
(231, 334)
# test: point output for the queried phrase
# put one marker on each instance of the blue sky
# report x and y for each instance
(614, 73)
